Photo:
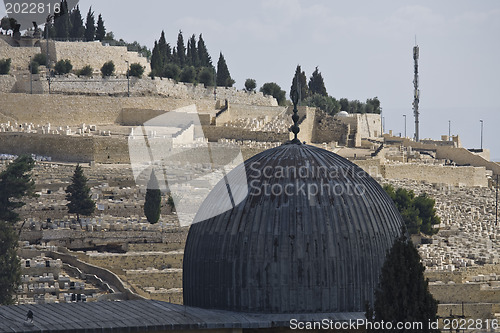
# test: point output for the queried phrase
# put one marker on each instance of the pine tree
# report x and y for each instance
(403, 294)
(152, 204)
(317, 84)
(101, 30)
(223, 77)
(300, 77)
(77, 28)
(78, 195)
(15, 183)
(90, 26)
(181, 50)
(205, 59)
(62, 22)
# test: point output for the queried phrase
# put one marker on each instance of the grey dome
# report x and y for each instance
(302, 251)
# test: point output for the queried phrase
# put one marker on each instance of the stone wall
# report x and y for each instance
(237, 111)
(7, 83)
(329, 129)
(136, 260)
(465, 292)
(95, 55)
(63, 110)
(59, 147)
(215, 133)
(468, 176)
(19, 55)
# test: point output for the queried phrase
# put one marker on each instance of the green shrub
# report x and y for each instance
(63, 66)
(34, 67)
(136, 70)
(85, 71)
(172, 71)
(188, 74)
(40, 58)
(5, 66)
(206, 76)
(108, 68)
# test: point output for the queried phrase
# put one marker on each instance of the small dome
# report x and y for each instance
(311, 236)
(342, 114)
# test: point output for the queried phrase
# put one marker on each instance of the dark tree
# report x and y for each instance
(78, 195)
(10, 267)
(100, 32)
(77, 28)
(5, 66)
(300, 77)
(206, 76)
(156, 62)
(152, 204)
(373, 105)
(86, 71)
(34, 67)
(250, 85)
(136, 70)
(62, 22)
(90, 26)
(403, 294)
(326, 103)
(15, 183)
(40, 58)
(164, 50)
(274, 90)
(108, 68)
(205, 59)
(344, 104)
(419, 214)
(223, 77)
(188, 74)
(181, 50)
(192, 52)
(172, 71)
(63, 66)
(317, 84)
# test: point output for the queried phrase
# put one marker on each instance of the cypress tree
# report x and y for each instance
(204, 57)
(62, 22)
(403, 294)
(155, 59)
(152, 204)
(90, 26)
(317, 84)
(77, 28)
(223, 77)
(101, 30)
(192, 52)
(181, 49)
(15, 183)
(300, 77)
(78, 195)
(164, 50)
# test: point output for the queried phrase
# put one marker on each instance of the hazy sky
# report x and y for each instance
(362, 48)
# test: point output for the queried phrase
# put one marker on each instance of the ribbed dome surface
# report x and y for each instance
(316, 246)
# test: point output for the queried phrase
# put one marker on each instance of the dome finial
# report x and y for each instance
(295, 127)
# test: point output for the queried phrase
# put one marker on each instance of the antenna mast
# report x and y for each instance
(416, 95)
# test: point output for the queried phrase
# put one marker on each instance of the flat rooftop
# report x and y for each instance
(143, 315)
